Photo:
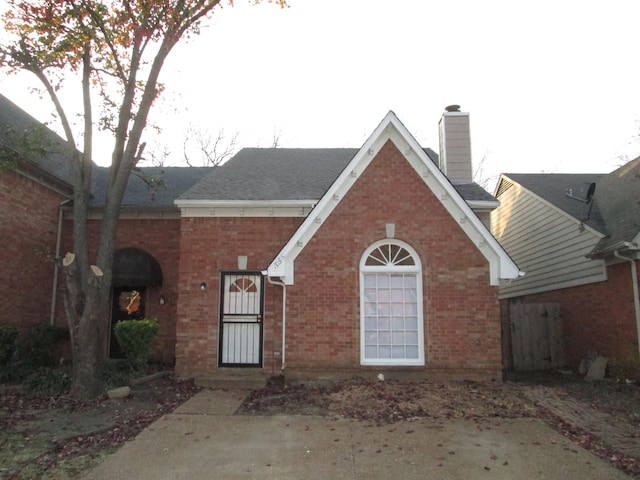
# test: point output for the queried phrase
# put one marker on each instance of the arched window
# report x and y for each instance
(391, 323)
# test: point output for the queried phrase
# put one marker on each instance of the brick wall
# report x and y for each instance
(461, 311)
(28, 222)
(160, 238)
(598, 317)
(208, 247)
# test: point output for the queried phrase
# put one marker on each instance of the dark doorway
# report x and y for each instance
(128, 303)
(134, 271)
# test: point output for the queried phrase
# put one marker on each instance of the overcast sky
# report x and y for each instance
(550, 85)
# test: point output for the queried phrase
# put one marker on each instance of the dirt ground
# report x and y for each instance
(45, 438)
(56, 439)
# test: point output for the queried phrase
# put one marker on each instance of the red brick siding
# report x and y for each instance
(28, 222)
(462, 324)
(160, 238)
(461, 311)
(208, 247)
(598, 317)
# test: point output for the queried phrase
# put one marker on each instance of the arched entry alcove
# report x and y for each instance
(134, 271)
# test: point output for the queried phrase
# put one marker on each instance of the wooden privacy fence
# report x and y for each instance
(536, 336)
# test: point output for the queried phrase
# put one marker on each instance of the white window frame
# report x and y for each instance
(388, 269)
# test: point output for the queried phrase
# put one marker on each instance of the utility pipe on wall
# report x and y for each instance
(56, 269)
(634, 282)
(284, 318)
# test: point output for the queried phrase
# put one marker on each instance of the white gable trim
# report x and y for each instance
(501, 265)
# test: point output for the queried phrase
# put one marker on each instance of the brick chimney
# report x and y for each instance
(455, 145)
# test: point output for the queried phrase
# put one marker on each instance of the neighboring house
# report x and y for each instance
(34, 182)
(317, 261)
(577, 237)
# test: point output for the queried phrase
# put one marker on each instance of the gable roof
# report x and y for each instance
(501, 266)
(555, 189)
(290, 174)
(617, 198)
(614, 211)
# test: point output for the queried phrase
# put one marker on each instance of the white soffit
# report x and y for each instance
(501, 265)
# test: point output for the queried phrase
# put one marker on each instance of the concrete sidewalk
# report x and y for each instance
(202, 439)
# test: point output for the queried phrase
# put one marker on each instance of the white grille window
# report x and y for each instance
(391, 305)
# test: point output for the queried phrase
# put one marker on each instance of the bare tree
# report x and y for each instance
(201, 148)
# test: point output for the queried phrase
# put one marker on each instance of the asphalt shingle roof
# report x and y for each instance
(15, 122)
(555, 187)
(288, 174)
(615, 209)
(171, 183)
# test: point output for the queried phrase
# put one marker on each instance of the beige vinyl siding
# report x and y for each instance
(547, 244)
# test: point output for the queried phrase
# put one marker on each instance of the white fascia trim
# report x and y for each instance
(244, 203)
(245, 208)
(501, 265)
(552, 206)
(483, 205)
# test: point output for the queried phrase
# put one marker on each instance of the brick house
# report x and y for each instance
(317, 261)
(578, 238)
(339, 261)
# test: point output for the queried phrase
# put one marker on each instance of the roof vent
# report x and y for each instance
(453, 108)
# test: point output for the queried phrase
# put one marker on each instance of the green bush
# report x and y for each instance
(625, 364)
(48, 381)
(41, 344)
(8, 336)
(116, 373)
(135, 337)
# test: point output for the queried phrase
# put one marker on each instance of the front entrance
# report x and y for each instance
(241, 313)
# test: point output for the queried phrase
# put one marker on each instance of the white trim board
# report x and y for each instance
(390, 128)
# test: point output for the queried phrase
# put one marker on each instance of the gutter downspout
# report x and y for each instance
(634, 282)
(284, 319)
(56, 268)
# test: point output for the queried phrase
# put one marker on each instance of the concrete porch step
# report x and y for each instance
(234, 378)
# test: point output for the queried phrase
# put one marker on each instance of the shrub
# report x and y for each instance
(41, 344)
(625, 364)
(8, 336)
(135, 337)
(48, 381)
(115, 374)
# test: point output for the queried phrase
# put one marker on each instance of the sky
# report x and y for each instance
(551, 86)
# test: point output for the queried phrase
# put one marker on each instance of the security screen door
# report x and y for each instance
(241, 312)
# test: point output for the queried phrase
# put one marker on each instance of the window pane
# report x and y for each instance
(411, 323)
(370, 295)
(397, 281)
(412, 352)
(370, 309)
(384, 338)
(410, 281)
(384, 352)
(384, 296)
(410, 309)
(397, 295)
(383, 323)
(371, 352)
(397, 338)
(371, 338)
(383, 281)
(411, 338)
(398, 352)
(410, 296)
(370, 323)
(369, 281)
(397, 324)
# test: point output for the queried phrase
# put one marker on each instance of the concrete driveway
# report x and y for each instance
(202, 439)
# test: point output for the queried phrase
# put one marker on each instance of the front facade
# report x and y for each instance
(308, 262)
(389, 270)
